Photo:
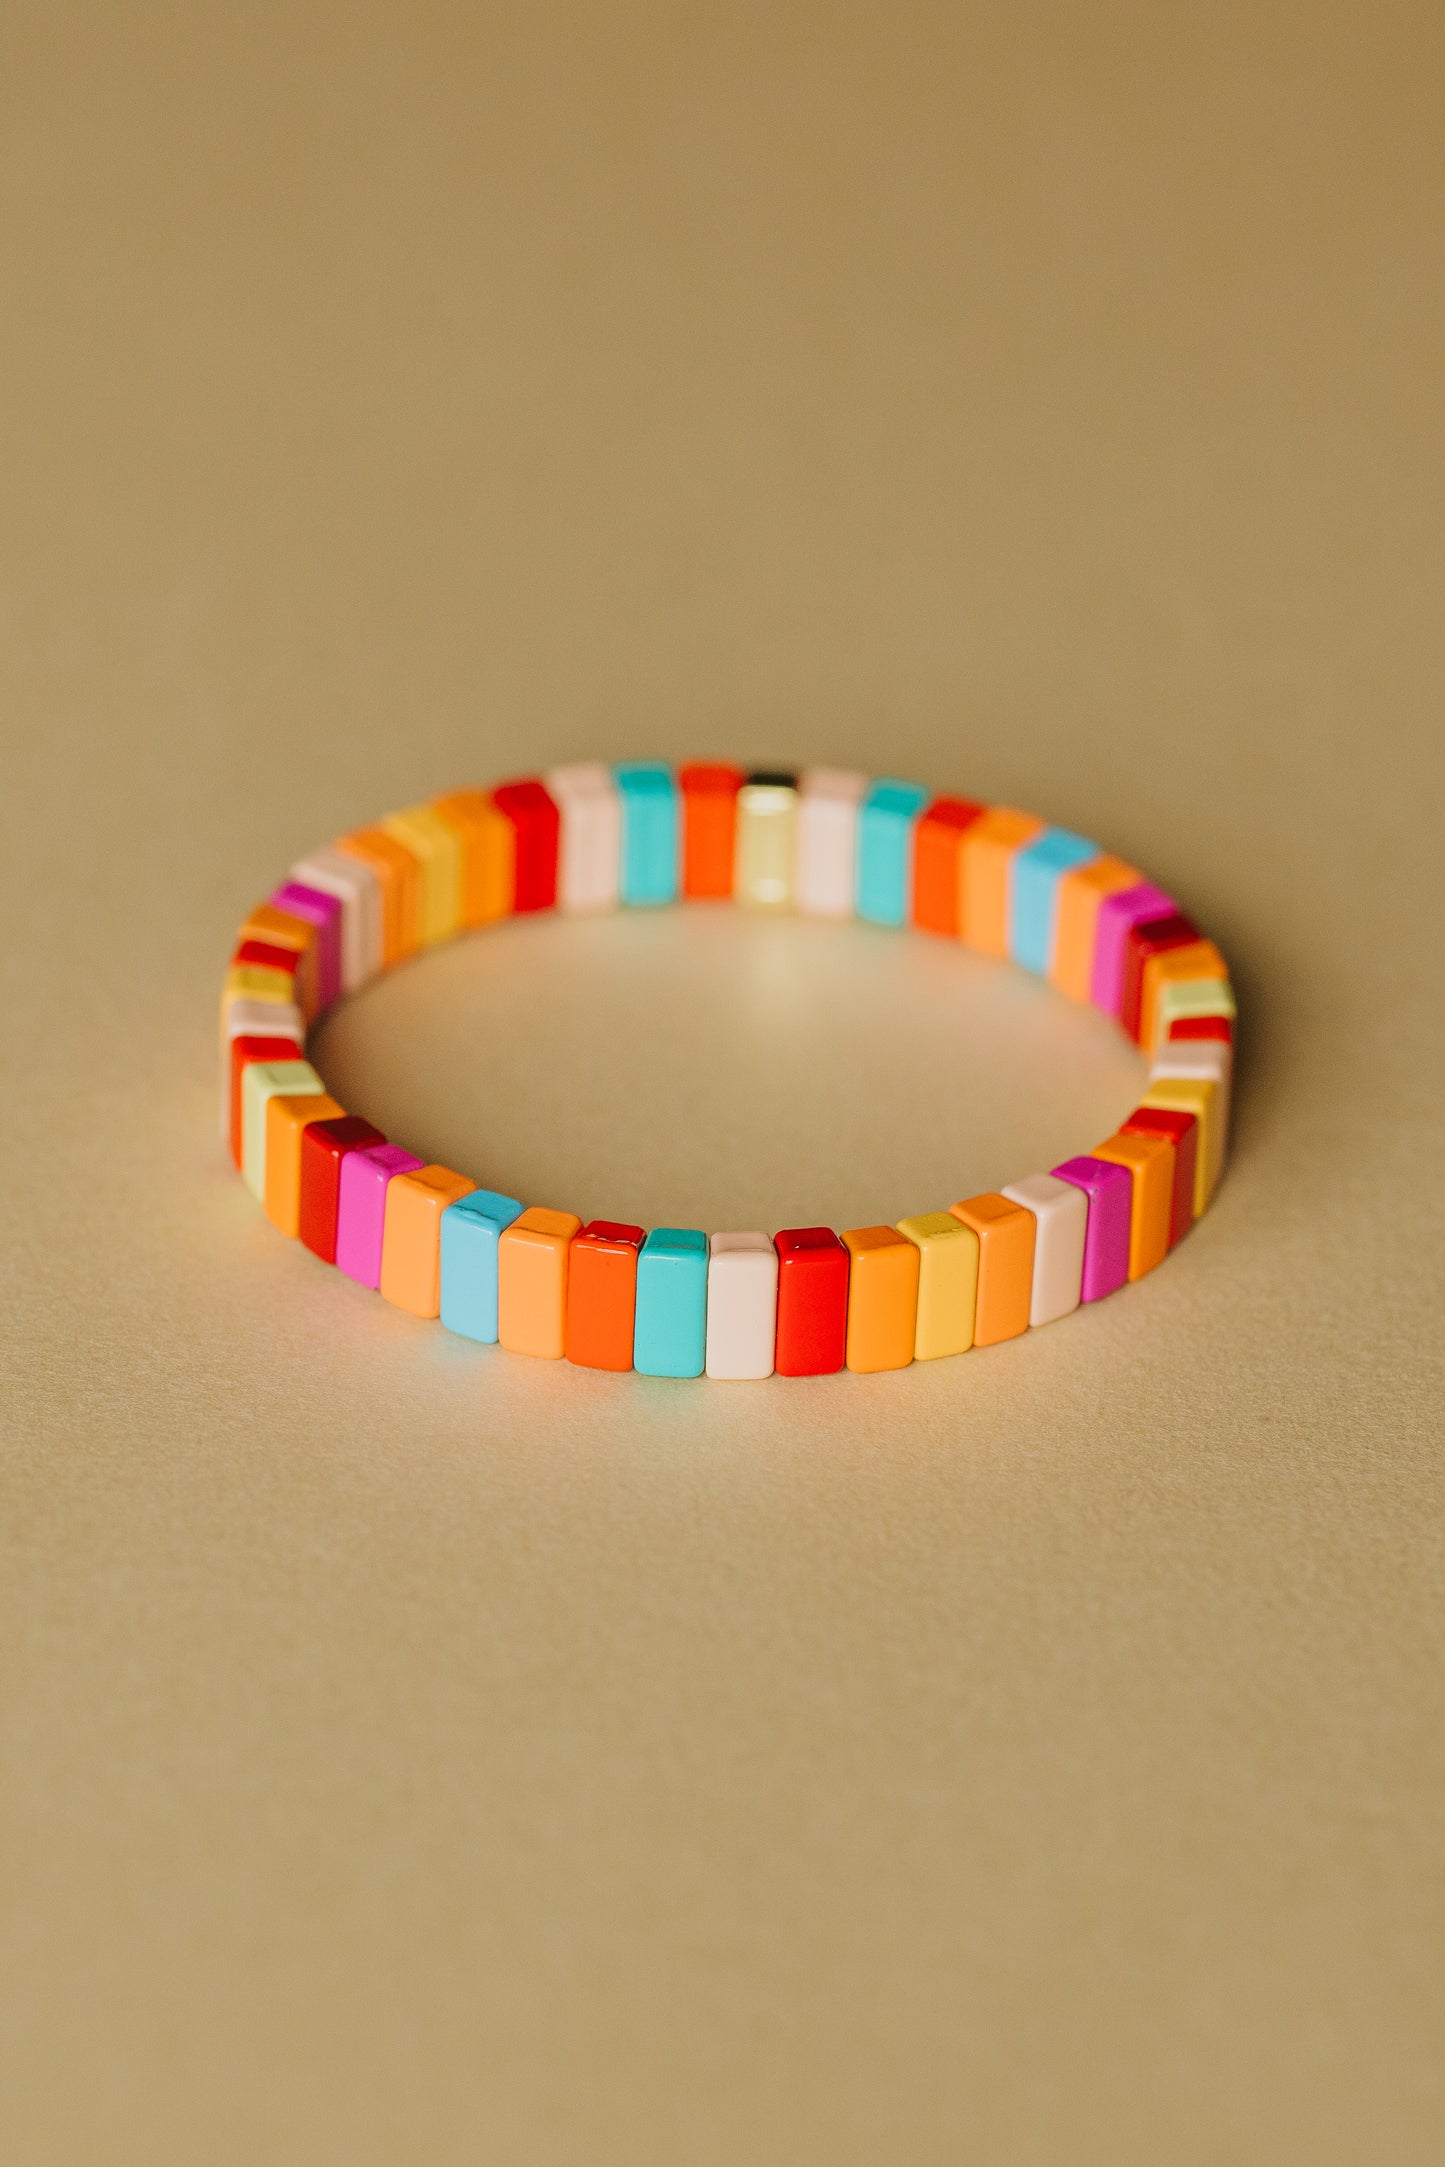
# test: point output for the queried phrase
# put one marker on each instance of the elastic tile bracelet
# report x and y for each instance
(675, 1301)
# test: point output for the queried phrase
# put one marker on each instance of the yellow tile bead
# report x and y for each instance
(763, 866)
(947, 1283)
(437, 847)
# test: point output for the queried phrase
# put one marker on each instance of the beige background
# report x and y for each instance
(416, 1756)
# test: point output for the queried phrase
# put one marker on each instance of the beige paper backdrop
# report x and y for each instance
(412, 1756)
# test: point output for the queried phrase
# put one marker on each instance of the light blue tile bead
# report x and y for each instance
(1034, 877)
(670, 1335)
(470, 1231)
(886, 820)
(649, 831)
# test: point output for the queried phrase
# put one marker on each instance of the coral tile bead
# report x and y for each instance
(937, 884)
(602, 1295)
(709, 828)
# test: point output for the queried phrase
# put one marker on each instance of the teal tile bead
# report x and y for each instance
(1034, 877)
(650, 854)
(471, 1229)
(670, 1334)
(886, 821)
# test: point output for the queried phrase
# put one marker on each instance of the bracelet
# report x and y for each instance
(675, 1301)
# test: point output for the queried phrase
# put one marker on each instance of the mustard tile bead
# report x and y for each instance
(882, 1298)
(947, 1283)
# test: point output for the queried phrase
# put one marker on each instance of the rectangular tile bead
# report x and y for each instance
(287, 1119)
(985, 858)
(1118, 914)
(437, 847)
(742, 1305)
(709, 828)
(882, 1298)
(670, 1335)
(532, 1259)
(651, 833)
(358, 891)
(395, 871)
(324, 1144)
(826, 846)
(1076, 922)
(947, 1283)
(260, 1082)
(1148, 943)
(1005, 1233)
(1182, 1131)
(411, 1275)
(1061, 1223)
(602, 1295)
(937, 881)
(488, 847)
(254, 982)
(589, 845)
(1191, 963)
(366, 1175)
(1109, 1189)
(536, 828)
(243, 1051)
(812, 1302)
(324, 912)
(767, 818)
(1034, 878)
(1196, 1027)
(472, 1229)
(268, 957)
(1150, 1160)
(282, 929)
(887, 821)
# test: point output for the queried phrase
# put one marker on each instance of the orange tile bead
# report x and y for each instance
(286, 1121)
(936, 841)
(279, 929)
(1076, 922)
(397, 878)
(602, 1295)
(882, 1298)
(1006, 1233)
(489, 854)
(411, 1271)
(985, 854)
(532, 1256)
(1151, 1161)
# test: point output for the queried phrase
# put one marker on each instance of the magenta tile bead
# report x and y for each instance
(1117, 913)
(1110, 1190)
(324, 912)
(361, 1208)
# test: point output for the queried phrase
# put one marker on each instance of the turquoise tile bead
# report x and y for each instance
(670, 1335)
(1034, 878)
(649, 831)
(471, 1229)
(886, 820)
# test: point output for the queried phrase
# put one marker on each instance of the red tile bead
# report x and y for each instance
(268, 956)
(1220, 1028)
(709, 828)
(602, 1294)
(254, 1049)
(1182, 1130)
(812, 1301)
(1152, 938)
(324, 1144)
(537, 826)
(935, 863)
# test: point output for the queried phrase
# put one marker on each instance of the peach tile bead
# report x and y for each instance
(411, 1271)
(532, 1282)
(985, 855)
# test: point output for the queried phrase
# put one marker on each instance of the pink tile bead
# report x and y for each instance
(361, 1208)
(324, 912)
(1110, 1190)
(1117, 914)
